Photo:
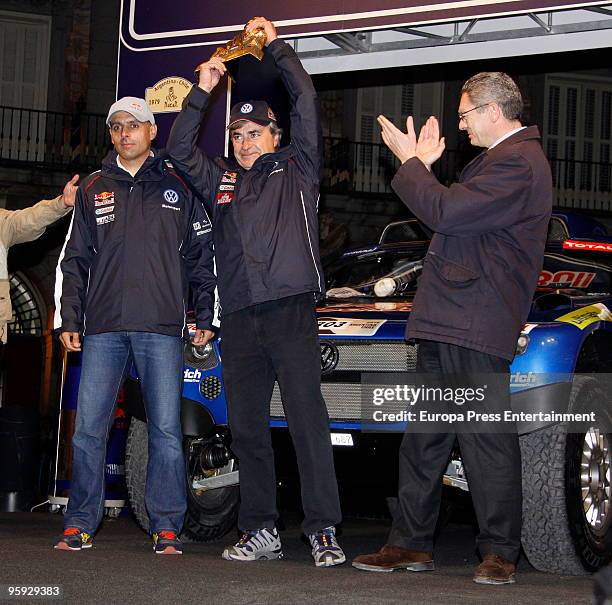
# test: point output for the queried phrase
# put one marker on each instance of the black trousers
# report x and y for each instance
(278, 340)
(491, 461)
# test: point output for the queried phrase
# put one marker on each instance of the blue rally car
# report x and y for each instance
(565, 345)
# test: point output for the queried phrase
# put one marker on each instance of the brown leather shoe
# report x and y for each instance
(495, 570)
(390, 557)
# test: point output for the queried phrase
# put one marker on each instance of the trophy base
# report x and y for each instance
(242, 64)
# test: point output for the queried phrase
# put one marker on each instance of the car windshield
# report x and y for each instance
(377, 275)
(404, 231)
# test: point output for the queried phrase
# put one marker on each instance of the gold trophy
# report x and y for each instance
(244, 48)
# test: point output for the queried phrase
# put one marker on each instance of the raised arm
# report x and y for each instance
(196, 167)
(306, 134)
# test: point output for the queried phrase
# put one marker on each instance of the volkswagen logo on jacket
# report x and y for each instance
(329, 357)
(171, 196)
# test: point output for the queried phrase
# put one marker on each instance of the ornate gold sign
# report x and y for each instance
(168, 94)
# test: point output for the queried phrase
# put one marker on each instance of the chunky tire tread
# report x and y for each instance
(202, 528)
(136, 456)
(547, 538)
(200, 524)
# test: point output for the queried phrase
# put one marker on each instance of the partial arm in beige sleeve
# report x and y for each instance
(28, 224)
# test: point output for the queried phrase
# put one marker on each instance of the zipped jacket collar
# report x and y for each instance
(153, 168)
(284, 153)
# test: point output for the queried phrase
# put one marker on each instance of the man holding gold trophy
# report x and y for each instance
(264, 209)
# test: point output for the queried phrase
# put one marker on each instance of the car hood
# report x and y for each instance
(363, 319)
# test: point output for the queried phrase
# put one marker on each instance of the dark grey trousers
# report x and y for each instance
(492, 463)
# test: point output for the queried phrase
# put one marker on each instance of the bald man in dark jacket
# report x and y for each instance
(473, 298)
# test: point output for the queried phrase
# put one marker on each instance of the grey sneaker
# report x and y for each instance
(326, 551)
(255, 544)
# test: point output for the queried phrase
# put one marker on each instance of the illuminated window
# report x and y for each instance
(578, 138)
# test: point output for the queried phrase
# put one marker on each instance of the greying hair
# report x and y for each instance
(495, 87)
(275, 128)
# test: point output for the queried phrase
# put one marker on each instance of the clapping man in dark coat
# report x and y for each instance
(472, 300)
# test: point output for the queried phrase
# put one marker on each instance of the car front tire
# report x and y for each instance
(567, 520)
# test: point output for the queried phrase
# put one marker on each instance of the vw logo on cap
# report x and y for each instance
(246, 108)
(171, 196)
(329, 357)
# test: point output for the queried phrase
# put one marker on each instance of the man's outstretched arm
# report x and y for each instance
(27, 224)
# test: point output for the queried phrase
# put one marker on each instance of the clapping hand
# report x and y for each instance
(430, 145)
(401, 144)
(405, 145)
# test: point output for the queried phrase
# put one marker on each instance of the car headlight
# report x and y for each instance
(202, 352)
(202, 357)
(521, 344)
(385, 287)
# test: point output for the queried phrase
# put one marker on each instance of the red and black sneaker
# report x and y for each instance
(167, 543)
(74, 539)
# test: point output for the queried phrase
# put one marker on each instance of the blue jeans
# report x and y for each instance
(159, 363)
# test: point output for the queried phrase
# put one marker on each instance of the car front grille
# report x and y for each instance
(374, 356)
(341, 387)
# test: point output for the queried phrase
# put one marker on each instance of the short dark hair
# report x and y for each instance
(495, 87)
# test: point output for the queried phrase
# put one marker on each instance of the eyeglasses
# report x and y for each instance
(462, 114)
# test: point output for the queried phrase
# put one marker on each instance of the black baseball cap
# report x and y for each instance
(255, 111)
